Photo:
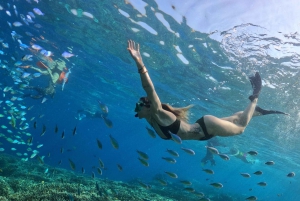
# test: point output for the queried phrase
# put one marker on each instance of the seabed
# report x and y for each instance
(27, 181)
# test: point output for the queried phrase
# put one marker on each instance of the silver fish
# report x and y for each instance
(212, 150)
(224, 157)
(189, 151)
(246, 175)
(291, 174)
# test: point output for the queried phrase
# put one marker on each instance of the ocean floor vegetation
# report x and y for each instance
(20, 180)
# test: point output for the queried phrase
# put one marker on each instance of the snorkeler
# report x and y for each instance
(245, 157)
(55, 68)
(214, 142)
(168, 121)
(209, 156)
(41, 91)
(81, 114)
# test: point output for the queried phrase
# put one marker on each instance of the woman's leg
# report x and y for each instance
(232, 125)
(237, 123)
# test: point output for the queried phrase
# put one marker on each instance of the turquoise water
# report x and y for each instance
(213, 76)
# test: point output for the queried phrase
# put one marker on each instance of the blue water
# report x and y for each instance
(215, 81)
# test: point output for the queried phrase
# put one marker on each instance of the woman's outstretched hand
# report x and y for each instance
(134, 50)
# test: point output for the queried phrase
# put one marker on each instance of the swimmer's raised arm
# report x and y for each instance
(134, 50)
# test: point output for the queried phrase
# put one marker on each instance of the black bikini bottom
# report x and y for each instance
(202, 125)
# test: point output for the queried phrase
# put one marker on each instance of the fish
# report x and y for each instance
(93, 175)
(208, 171)
(99, 171)
(189, 189)
(56, 129)
(252, 153)
(170, 160)
(45, 52)
(63, 134)
(29, 141)
(13, 121)
(173, 153)
(30, 107)
(107, 122)
(161, 181)
(217, 185)
(99, 144)
(270, 163)
(143, 155)
(114, 142)
(16, 12)
(72, 164)
(143, 162)
(176, 138)
(36, 75)
(39, 146)
(40, 159)
(67, 55)
(87, 14)
(31, 15)
(82, 170)
(246, 175)
(258, 172)
(146, 186)
(101, 163)
(172, 175)
(200, 194)
(291, 174)
(224, 157)
(29, 19)
(27, 57)
(251, 198)
(189, 151)
(186, 182)
(262, 183)
(17, 24)
(44, 100)
(59, 162)
(120, 167)
(34, 125)
(103, 107)
(44, 130)
(212, 150)
(74, 131)
(38, 11)
(36, 47)
(61, 150)
(151, 132)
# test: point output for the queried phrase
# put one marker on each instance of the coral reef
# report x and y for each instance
(21, 180)
(24, 181)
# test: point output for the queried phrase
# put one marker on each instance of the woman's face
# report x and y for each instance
(142, 109)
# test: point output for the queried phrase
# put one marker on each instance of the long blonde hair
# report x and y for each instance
(181, 113)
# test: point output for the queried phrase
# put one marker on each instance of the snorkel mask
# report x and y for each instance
(141, 103)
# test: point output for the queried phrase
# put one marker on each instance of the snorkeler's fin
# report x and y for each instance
(265, 112)
(256, 86)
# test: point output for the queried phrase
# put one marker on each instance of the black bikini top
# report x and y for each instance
(172, 128)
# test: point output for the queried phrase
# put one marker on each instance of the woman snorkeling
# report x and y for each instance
(167, 120)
